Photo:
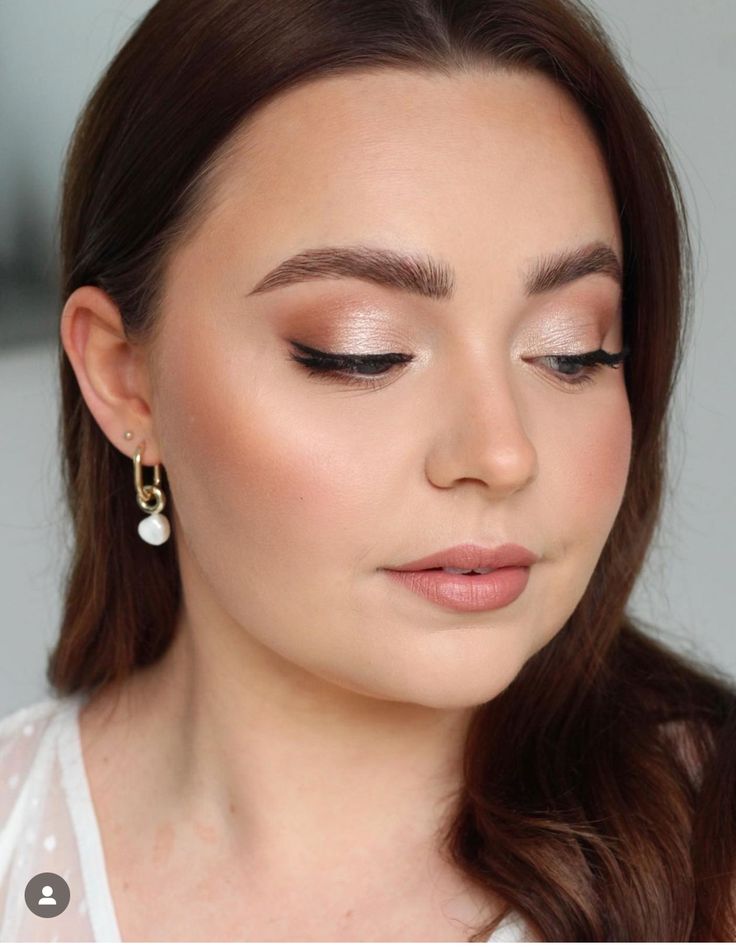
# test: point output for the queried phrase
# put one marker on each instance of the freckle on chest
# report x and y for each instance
(205, 832)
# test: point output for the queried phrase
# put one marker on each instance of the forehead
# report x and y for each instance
(479, 164)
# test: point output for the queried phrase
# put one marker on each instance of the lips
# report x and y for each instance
(457, 571)
(471, 556)
(466, 593)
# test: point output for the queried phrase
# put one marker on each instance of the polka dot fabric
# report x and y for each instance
(48, 825)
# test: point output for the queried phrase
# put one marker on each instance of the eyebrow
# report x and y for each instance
(429, 277)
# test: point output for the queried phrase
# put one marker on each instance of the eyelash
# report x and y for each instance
(354, 368)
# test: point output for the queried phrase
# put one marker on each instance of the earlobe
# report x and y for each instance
(112, 377)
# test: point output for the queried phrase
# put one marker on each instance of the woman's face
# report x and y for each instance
(293, 491)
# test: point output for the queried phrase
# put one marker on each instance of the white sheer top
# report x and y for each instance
(48, 824)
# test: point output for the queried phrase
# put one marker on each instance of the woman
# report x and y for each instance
(281, 712)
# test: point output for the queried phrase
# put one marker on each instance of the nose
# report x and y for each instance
(479, 432)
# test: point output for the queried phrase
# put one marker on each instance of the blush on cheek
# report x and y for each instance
(602, 467)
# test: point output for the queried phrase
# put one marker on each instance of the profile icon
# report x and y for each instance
(47, 897)
(47, 894)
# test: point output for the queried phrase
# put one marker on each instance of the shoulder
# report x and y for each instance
(22, 736)
(24, 719)
(21, 730)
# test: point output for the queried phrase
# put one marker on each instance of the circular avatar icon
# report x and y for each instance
(47, 895)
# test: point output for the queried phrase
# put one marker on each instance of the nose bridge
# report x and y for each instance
(481, 431)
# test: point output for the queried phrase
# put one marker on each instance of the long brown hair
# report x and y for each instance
(599, 791)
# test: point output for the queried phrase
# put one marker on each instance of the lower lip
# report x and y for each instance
(467, 593)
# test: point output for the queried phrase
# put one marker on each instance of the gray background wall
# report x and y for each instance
(681, 55)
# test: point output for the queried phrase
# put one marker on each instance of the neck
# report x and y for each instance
(275, 761)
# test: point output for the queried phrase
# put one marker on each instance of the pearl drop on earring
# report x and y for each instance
(155, 529)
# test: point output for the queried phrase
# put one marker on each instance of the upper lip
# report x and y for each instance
(470, 556)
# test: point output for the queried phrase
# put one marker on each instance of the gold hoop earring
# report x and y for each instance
(156, 529)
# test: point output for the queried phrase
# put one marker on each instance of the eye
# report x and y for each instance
(350, 368)
(586, 366)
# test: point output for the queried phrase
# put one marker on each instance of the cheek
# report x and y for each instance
(592, 476)
(604, 461)
(583, 474)
(264, 476)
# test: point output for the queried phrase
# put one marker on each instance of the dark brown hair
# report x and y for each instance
(599, 786)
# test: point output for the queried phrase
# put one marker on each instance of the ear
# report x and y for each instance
(111, 371)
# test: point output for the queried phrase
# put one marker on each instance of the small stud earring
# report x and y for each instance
(128, 435)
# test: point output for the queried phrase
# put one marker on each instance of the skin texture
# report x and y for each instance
(302, 738)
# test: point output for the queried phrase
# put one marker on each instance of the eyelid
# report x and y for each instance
(585, 356)
(353, 368)
(337, 355)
